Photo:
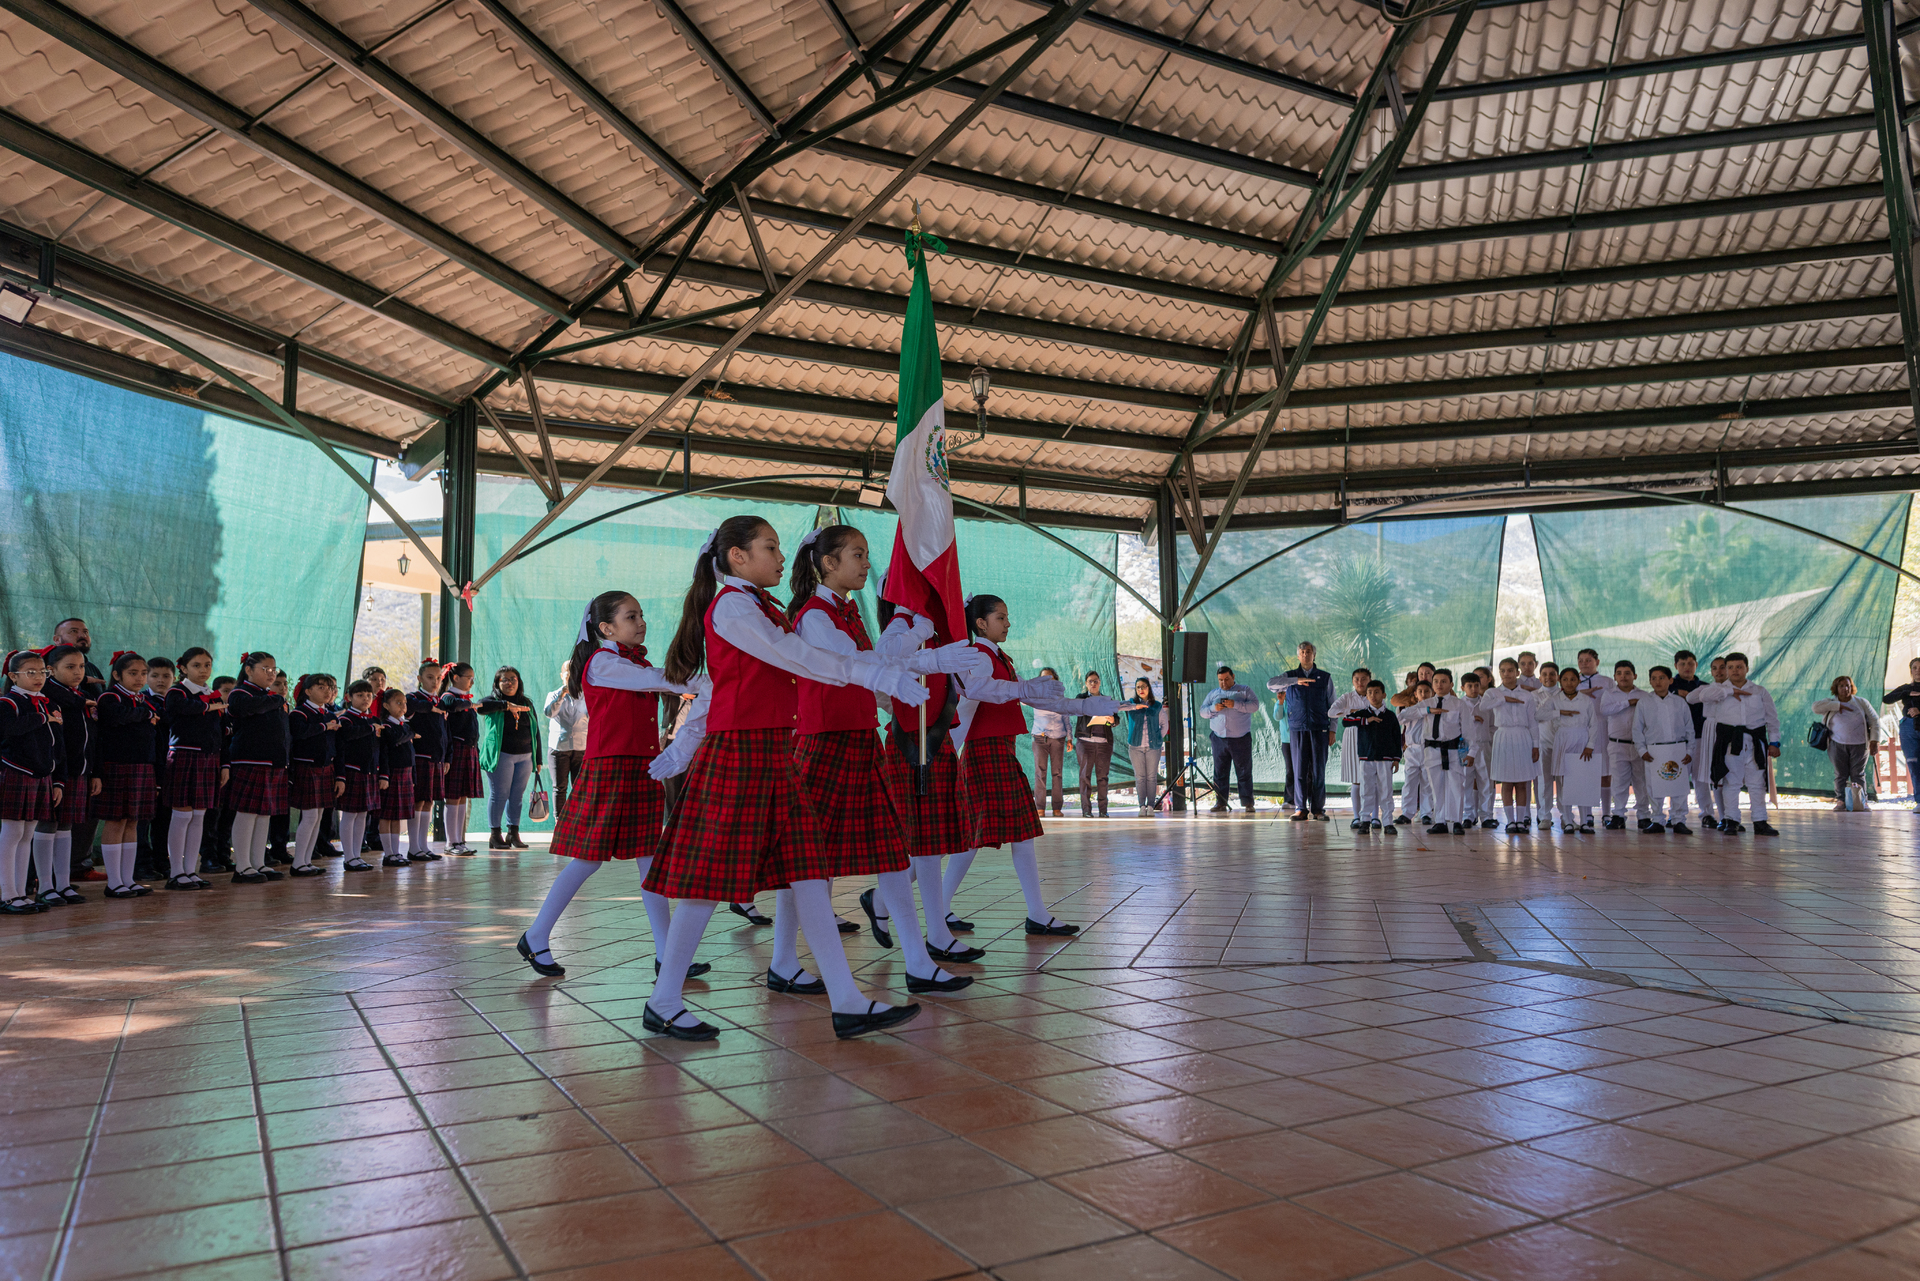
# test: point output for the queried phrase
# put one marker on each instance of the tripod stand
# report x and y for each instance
(1193, 775)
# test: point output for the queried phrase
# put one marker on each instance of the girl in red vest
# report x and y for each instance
(616, 810)
(741, 823)
(994, 792)
(837, 756)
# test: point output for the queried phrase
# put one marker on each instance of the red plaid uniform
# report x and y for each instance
(363, 792)
(614, 811)
(310, 787)
(860, 826)
(257, 789)
(126, 791)
(24, 797)
(996, 796)
(193, 780)
(462, 781)
(75, 805)
(935, 817)
(429, 784)
(396, 802)
(741, 824)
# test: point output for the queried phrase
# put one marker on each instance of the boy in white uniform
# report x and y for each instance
(1415, 800)
(1746, 734)
(1685, 681)
(1624, 765)
(1352, 773)
(1593, 685)
(1440, 722)
(1545, 811)
(1663, 735)
(1476, 783)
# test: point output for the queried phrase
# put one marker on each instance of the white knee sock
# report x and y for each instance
(15, 834)
(63, 860)
(419, 832)
(659, 906)
(814, 906)
(306, 837)
(393, 844)
(454, 815)
(933, 900)
(120, 860)
(559, 894)
(896, 890)
(196, 832)
(177, 841)
(1027, 868)
(676, 954)
(957, 867)
(42, 854)
(786, 938)
(250, 841)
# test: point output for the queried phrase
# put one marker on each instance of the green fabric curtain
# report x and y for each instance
(166, 527)
(1638, 584)
(1386, 596)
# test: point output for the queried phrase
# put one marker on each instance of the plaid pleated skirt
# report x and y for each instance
(25, 798)
(396, 801)
(615, 810)
(740, 825)
(933, 820)
(362, 794)
(860, 825)
(429, 784)
(75, 803)
(996, 797)
(256, 789)
(126, 791)
(463, 777)
(310, 787)
(193, 779)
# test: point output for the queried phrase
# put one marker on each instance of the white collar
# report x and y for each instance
(828, 595)
(191, 687)
(29, 693)
(130, 693)
(609, 644)
(318, 707)
(981, 640)
(728, 580)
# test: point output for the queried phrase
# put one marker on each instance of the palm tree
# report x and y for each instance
(1702, 552)
(1360, 611)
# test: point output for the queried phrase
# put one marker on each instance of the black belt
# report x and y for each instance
(1732, 739)
(1612, 739)
(1446, 745)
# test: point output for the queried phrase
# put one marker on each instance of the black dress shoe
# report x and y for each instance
(1709, 822)
(356, 864)
(18, 907)
(881, 934)
(777, 984)
(1731, 827)
(238, 878)
(182, 883)
(546, 969)
(845, 927)
(957, 926)
(1654, 829)
(698, 1032)
(1041, 927)
(1488, 824)
(395, 860)
(1764, 828)
(953, 984)
(749, 914)
(956, 955)
(272, 873)
(71, 895)
(694, 971)
(1459, 829)
(1680, 829)
(1438, 829)
(306, 869)
(423, 856)
(1319, 816)
(848, 1026)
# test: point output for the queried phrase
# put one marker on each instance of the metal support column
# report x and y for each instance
(457, 490)
(1174, 749)
(1896, 172)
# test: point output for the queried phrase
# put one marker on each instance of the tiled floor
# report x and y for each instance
(1271, 1055)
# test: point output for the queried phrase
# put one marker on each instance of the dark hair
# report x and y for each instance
(368, 673)
(220, 682)
(1661, 668)
(688, 652)
(1514, 661)
(311, 679)
(251, 657)
(161, 660)
(55, 653)
(1359, 670)
(1418, 684)
(450, 670)
(1429, 666)
(1717, 658)
(1526, 653)
(809, 563)
(122, 661)
(978, 607)
(191, 654)
(1223, 668)
(425, 663)
(600, 611)
(1583, 653)
(1379, 685)
(1629, 666)
(1048, 671)
(1444, 671)
(1473, 676)
(63, 622)
(1550, 663)
(392, 692)
(18, 659)
(1680, 654)
(519, 685)
(1733, 654)
(359, 687)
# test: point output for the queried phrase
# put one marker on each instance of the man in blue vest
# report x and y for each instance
(1309, 732)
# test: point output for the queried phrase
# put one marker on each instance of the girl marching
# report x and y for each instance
(742, 823)
(463, 784)
(196, 731)
(617, 807)
(31, 755)
(357, 752)
(257, 789)
(313, 783)
(123, 765)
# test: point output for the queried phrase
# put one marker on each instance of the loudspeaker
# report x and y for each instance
(1191, 651)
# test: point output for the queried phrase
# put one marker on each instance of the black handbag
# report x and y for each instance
(1820, 734)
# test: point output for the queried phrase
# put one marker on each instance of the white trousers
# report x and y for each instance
(1703, 779)
(1445, 786)
(1415, 799)
(1543, 806)
(1375, 794)
(1743, 771)
(1627, 769)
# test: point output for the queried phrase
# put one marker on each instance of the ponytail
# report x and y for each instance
(809, 563)
(977, 608)
(599, 611)
(249, 658)
(687, 655)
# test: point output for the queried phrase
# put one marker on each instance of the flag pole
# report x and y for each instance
(923, 772)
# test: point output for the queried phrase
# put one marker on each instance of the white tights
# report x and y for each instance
(183, 841)
(250, 841)
(454, 815)
(16, 848)
(53, 857)
(572, 876)
(1025, 866)
(306, 837)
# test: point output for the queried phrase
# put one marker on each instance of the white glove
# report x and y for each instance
(921, 628)
(1042, 687)
(897, 683)
(1099, 705)
(665, 766)
(958, 659)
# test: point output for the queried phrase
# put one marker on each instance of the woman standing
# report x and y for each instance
(1049, 753)
(1093, 745)
(1908, 696)
(507, 780)
(1855, 733)
(566, 737)
(1146, 731)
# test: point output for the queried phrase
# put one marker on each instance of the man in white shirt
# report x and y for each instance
(1746, 736)
(1229, 712)
(1624, 765)
(1049, 752)
(1441, 723)
(1663, 737)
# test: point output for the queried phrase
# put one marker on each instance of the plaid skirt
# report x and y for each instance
(615, 811)
(934, 819)
(429, 784)
(363, 792)
(462, 782)
(193, 780)
(396, 802)
(126, 791)
(862, 829)
(25, 798)
(740, 824)
(75, 804)
(256, 789)
(310, 787)
(996, 797)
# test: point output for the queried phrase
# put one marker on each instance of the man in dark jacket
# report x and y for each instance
(1309, 731)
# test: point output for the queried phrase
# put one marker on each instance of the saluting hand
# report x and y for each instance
(54, 717)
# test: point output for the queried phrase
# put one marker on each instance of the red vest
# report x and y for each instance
(997, 720)
(825, 708)
(747, 693)
(620, 722)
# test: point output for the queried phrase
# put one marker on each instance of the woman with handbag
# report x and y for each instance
(1852, 730)
(1146, 732)
(512, 766)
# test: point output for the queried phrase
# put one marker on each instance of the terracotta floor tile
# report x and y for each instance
(709, 1154)
(1692, 1233)
(514, 1136)
(703, 1263)
(1500, 1115)
(1182, 1121)
(1588, 1096)
(464, 1249)
(1291, 1102)
(521, 1182)
(874, 1245)
(797, 1096)
(625, 1226)
(171, 1240)
(1558, 1053)
(332, 1164)
(1001, 1225)
(1538, 1181)
(143, 1148)
(1389, 1084)
(1200, 1073)
(360, 1119)
(830, 1134)
(165, 1111)
(1046, 1148)
(1280, 1242)
(1286, 1163)
(643, 1120)
(1864, 1164)
(986, 1108)
(1135, 1258)
(1400, 1139)
(1836, 1211)
(27, 1255)
(1098, 1088)
(385, 1205)
(771, 1200)
(1022, 1062)
(1154, 1191)
(1714, 1126)
(925, 1171)
(1636, 1154)
(895, 1082)
(133, 1194)
(1858, 1264)
(1414, 1212)
(1558, 1253)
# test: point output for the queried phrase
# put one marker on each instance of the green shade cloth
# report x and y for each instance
(167, 527)
(1387, 596)
(1638, 584)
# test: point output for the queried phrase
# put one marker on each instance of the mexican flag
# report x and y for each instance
(924, 573)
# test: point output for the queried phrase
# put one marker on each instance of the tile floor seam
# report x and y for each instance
(266, 1147)
(56, 1265)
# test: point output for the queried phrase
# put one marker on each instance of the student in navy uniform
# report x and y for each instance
(124, 723)
(396, 773)
(150, 862)
(196, 741)
(31, 755)
(216, 846)
(463, 780)
(313, 787)
(53, 840)
(356, 746)
(257, 787)
(1378, 736)
(429, 722)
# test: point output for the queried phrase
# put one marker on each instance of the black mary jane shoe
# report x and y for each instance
(356, 864)
(18, 907)
(272, 874)
(423, 856)
(777, 984)
(698, 1032)
(881, 934)
(181, 883)
(238, 878)
(848, 1026)
(139, 890)
(396, 860)
(957, 926)
(956, 955)
(694, 971)
(126, 891)
(951, 984)
(70, 895)
(306, 869)
(50, 898)
(750, 914)
(546, 969)
(845, 926)
(1050, 927)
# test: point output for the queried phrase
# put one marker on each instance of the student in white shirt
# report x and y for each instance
(1573, 718)
(1529, 677)
(1663, 738)
(1352, 773)
(1855, 729)
(1475, 784)
(1546, 812)
(1624, 766)
(1415, 800)
(1513, 756)
(1746, 736)
(1441, 722)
